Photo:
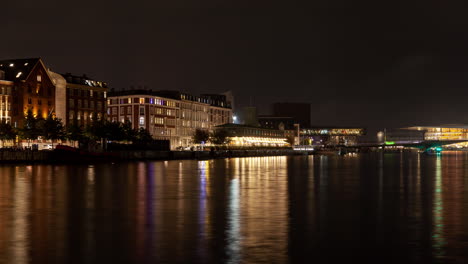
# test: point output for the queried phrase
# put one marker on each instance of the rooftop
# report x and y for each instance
(18, 69)
(83, 80)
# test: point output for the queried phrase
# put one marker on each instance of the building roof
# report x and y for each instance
(18, 69)
(83, 80)
(170, 94)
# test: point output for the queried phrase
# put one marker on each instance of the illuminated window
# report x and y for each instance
(142, 121)
(39, 78)
(142, 100)
(129, 100)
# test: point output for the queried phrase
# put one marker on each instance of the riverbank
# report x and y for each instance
(57, 156)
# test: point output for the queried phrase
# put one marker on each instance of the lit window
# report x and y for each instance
(142, 121)
(39, 78)
(129, 100)
(142, 100)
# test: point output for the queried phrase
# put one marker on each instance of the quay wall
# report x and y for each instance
(29, 156)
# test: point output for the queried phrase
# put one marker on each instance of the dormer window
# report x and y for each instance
(39, 78)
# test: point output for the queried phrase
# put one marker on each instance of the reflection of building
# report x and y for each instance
(300, 112)
(332, 135)
(251, 136)
(169, 115)
(86, 99)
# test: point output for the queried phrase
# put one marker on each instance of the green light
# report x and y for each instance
(438, 149)
(389, 142)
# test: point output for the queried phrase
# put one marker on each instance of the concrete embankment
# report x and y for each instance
(28, 156)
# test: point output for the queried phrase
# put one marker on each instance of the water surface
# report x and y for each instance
(367, 208)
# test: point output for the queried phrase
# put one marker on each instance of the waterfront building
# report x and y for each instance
(254, 136)
(85, 99)
(26, 85)
(169, 115)
(443, 132)
(331, 135)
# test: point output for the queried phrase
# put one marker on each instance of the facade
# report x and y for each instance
(300, 112)
(252, 136)
(169, 115)
(85, 99)
(6, 88)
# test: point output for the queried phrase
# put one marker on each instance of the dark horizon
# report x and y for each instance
(357, 63)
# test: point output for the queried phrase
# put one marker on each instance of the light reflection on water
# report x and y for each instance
(407, 207)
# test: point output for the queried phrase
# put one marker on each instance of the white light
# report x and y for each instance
(19, 74)
(26, 64)
(11, 65)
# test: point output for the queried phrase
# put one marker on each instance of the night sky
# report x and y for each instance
(365, 63)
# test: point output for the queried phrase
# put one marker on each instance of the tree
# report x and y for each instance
(143, 136)
(75, 133)
(31, 126)
(52, 129)
(129, 134)
(7, 132)
(219, 137)
(113, 131)
(200, 136)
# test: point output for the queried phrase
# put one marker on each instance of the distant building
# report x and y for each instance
(169, 115)
(300, 112)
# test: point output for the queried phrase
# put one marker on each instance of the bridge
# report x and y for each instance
(424, 145)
